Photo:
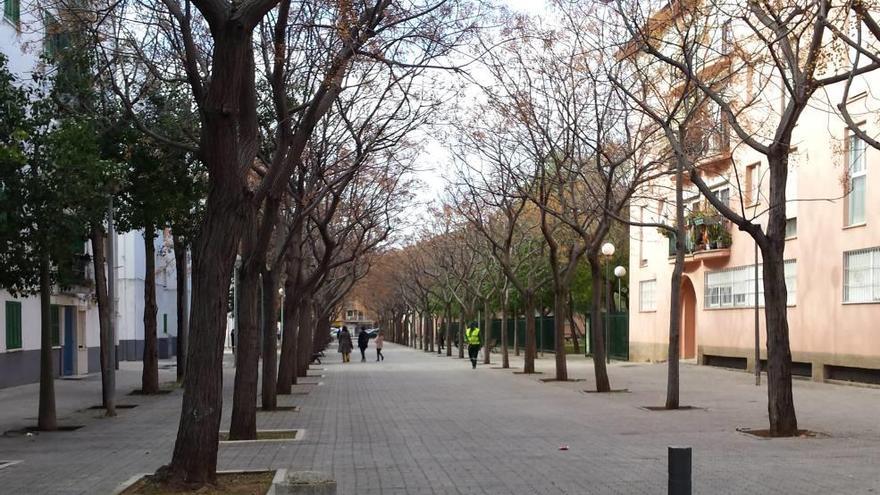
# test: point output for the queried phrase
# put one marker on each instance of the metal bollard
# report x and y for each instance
(679, 470)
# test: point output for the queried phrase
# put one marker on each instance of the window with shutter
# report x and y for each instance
(13, 325)
(12, 11)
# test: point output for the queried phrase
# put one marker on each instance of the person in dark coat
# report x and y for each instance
(363, 343)
(345, 345)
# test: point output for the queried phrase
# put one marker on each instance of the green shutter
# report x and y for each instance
(13, 325)
(165, 323)
(12, 10)
(55, 324)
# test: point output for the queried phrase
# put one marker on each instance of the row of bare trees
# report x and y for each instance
(302, 116)
(579, 116)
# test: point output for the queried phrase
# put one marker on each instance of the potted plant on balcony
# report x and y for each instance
(696, 221)
(726, 239)
(719, 237)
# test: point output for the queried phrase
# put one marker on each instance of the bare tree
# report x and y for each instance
(779, 43)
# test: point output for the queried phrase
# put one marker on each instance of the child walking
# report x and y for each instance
(380, 340)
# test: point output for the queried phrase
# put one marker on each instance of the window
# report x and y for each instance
(13, 325)
(56, 39)
(791, 227)
(735, 287)
(861, 275)
(349, 314)
(165, 323)
(855, 212)
(791, 193)
(723, 195)
(642, 259)
(55, 324)
(753, 184)
(648, 295)
(12, 11)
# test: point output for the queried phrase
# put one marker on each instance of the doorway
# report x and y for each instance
(688, 319)
(68, 355)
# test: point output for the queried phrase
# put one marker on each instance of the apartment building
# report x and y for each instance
(74, 314)
(74, 318)
(354, 314)
(832, 250)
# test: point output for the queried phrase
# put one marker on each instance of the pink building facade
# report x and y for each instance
(832, 253)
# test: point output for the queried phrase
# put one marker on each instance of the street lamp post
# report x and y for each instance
(235, 303)
(608, 252)
(281, 293)
(619, 272)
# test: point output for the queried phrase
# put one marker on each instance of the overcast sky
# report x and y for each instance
(435, 159)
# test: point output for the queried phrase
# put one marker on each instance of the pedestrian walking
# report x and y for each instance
(345, 345)
(363, 343)
(472, 335)
(440, 343)
(380, 340)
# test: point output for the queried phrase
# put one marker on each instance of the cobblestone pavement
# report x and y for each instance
(419, 423)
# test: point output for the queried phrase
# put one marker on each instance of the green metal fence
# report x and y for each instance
(546, 336)
(618, 345)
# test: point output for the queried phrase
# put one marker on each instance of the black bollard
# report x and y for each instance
(679, 470)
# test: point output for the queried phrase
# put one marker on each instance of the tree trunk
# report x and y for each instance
(429, 329)
(559, 310)
(673, 354)
(182, 305)
(461, 325)
(289, 338)
(247, 354)
(515, 334)
(306, 330)
(404, 329)
(270, 339)
(487, 332)
(575, 341)
(783, 420)
(416, 330)
(46, 418)
(448, 322)
(597, 341)
(150, 373)
(531, 349)
(505, 356)
(227, 146)
(108, 367)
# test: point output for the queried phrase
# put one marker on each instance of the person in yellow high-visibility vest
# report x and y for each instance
(472, 335)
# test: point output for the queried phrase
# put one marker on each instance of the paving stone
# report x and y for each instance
(417, 424)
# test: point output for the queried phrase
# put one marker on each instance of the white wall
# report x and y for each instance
(30, 319)
(131, 271)
(22, 46)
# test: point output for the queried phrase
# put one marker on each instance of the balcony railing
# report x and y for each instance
(704, 233)
(77, 276)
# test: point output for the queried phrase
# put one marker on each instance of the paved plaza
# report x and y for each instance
(420, 423)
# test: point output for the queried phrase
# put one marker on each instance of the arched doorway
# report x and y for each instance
(688, 319)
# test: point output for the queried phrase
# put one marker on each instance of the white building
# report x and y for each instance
(75, 323)
(74, 315)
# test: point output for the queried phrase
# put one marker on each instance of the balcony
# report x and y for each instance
(77, 276)
(708, 240)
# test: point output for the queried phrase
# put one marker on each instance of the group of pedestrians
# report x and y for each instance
(363, 338)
